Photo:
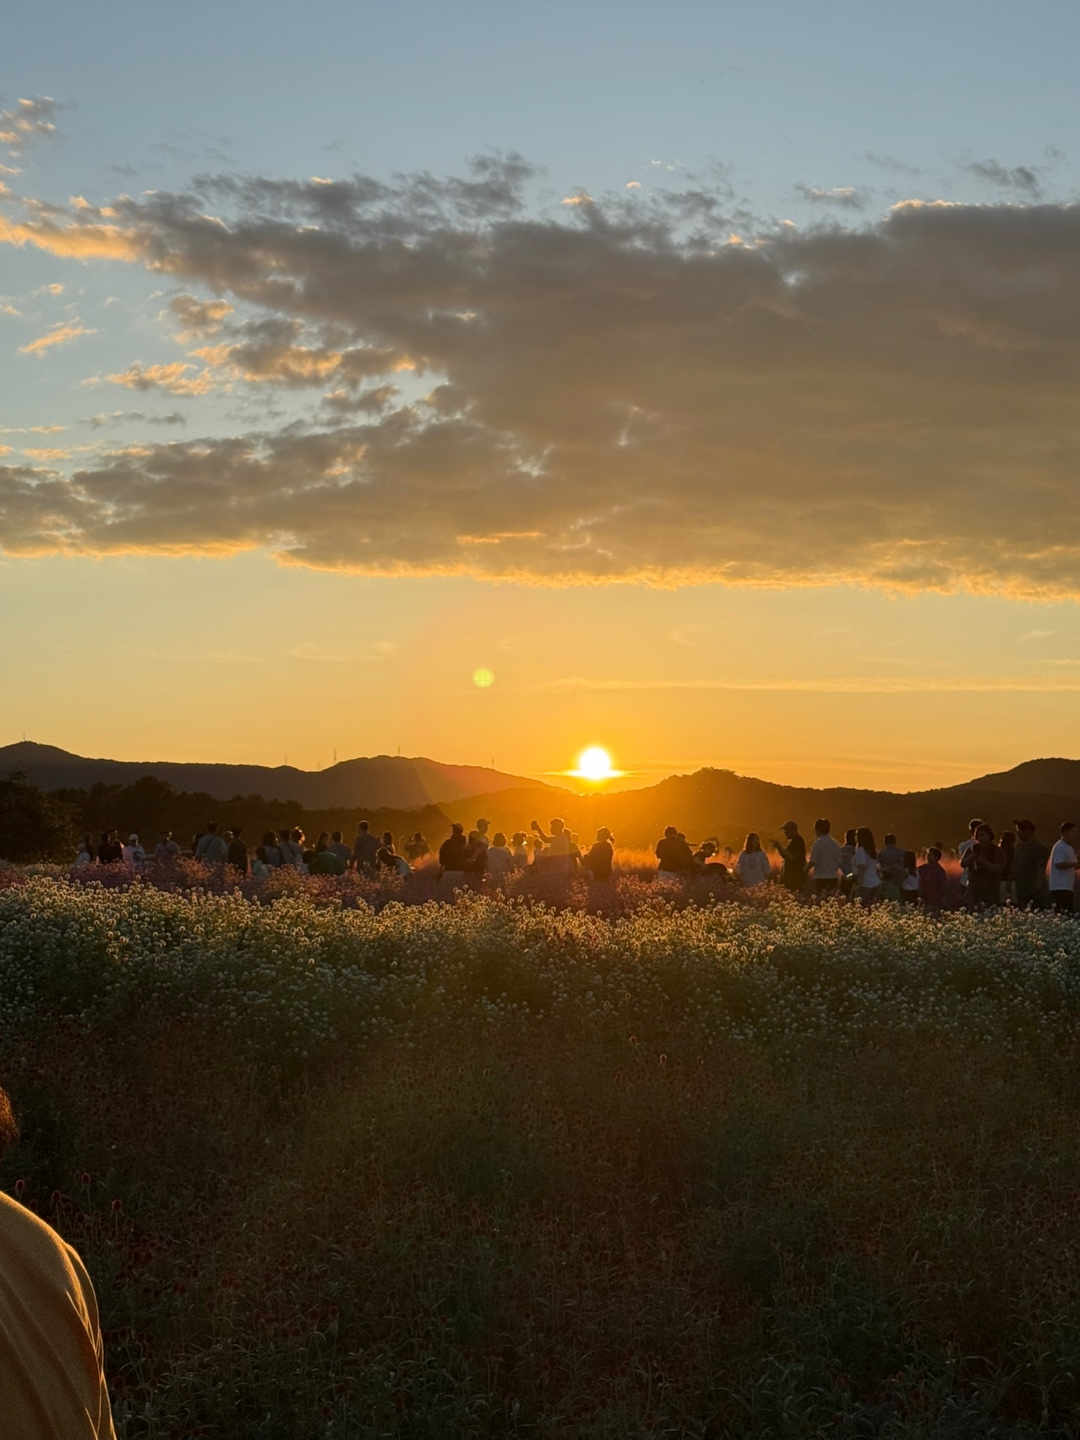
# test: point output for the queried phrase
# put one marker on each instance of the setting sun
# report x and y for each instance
(595, 764)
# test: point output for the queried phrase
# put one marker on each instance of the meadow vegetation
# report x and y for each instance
(495, 1169)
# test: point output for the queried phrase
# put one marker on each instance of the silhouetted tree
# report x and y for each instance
(33, 824)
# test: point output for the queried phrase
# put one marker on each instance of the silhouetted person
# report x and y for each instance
(271, 853)
(212, 848)
(933, 881)
(518, 844)
(416, 847)
(909, 886)
(674, 857)
(452, 854)
(86, 855)
(825, 861)
(847, 855)
(964, 847)
(598, 862)
(556, 853)
(237, 855)
(1063, 868)
(753, 866)
(1008, 855)
(365, 849)
(110, 851)
(481, 832)
(865, 867)
(52, 1377)
(166, 851)
(261, 869)
(500, 862)
(340, 849)
(793, 851)
(985, 866)
(324, 862)
(1029, 863)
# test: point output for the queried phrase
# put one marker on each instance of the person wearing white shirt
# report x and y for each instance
(965, 846)
(500, 862)
(753, 866)
(864, 865)
(1063, 867)
(825, 861)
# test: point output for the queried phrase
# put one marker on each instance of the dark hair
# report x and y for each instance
(236, 832)
(933, 853)
(9, 1126)
(973, 825)
(336, 837)
(211, 827)
(1067, 825)
(890, 839)
(822, 827)
(911, 861)
(363, 825)
(849, 837)
(865, 839)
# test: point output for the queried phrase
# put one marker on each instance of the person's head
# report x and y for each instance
(1068, 830)
(500, 838)
(822, 827)
(133, 839)
(323, 840)
(269, 839)
(890, 839)
(211, 827)
(336, 837)
(284, 834)
(910, 861)
(1025, 828)
(518, 838)
(298, 836)
(1008, 840)
(933, 855)
(237, 831)
(388, 840)
(165, 835)
(603, 835)
(984, 835)
(482, 826)
(849, 837)
(790, 829)
(105, 836)
(708, 848)
(309, 856)
(753, 842)
(260, 853)
(864, 838)
(973, 825)
(670, 833)
(557, 826)
(457, 829)
(363, 827)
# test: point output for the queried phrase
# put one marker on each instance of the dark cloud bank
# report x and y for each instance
(622, 391)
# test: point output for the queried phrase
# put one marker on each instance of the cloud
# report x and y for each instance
(30, 120)
(595, 393)
(1022, 178)
(172, 378)
(845, 195)
(198, 319)
(59, 335)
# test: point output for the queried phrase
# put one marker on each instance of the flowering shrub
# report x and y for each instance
(346, 1166)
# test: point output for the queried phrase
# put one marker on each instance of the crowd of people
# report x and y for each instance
(1019, 868)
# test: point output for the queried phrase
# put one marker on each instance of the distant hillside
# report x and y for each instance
(721, 803)
(392, 782)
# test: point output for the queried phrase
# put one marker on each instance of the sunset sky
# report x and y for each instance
(707, 373)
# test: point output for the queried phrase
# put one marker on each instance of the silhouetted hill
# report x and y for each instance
(405, 794)
(393, 782)
(721, 803)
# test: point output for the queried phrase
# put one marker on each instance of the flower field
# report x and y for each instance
(495, 1169)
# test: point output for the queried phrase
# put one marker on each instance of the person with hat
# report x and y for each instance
(793, 876)
(1029, 863)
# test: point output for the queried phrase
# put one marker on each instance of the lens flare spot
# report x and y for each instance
(483, 678)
